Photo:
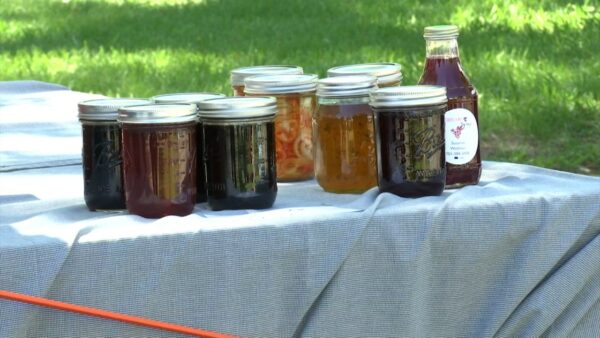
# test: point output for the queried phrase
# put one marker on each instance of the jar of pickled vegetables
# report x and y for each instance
(159, 159)
(192, 98)
(101, 153)
(296, 103)
(238, 75)
(345, 159)
(239, 147)
(388, 74)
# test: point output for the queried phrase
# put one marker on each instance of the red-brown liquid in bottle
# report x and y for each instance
(461, 94)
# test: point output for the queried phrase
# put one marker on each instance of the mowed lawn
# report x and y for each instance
(536, 64)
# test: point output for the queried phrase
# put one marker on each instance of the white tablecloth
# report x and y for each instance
(517, 255)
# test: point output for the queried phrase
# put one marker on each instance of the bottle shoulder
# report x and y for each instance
(449, 73)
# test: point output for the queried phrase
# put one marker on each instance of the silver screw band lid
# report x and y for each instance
(240, 107)
(345, 86)
(280, 84)
(385, 72)
(408, 96)
(158, 113)
(106, 109)
(238, 75)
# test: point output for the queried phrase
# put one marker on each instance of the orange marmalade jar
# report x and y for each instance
(388, 74)
(344, 141)
(238, 75)
(296, 103)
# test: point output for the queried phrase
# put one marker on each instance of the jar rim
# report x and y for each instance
(408, 96)
(238, 75)
(344, 86)
(237, 107)
(385, 72)
(280, 84)
(157, 113)
(106, 109)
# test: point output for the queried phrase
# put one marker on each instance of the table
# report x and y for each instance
(517, 255)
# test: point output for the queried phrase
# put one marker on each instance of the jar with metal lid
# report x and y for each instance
(296, 103)
(238, 75)
(192, 98)
(409, 131)
(388, 74)
(101, 152)
(344, 142)
(159, 159)
(239, 151)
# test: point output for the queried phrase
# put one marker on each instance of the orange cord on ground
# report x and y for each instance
(110, 315)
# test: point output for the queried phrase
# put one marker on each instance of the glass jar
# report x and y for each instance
(409, 130)
(159, 159)
(101, 152)
(345, 160)
(443, 68)
(239, 147)
(238, 75)
(296, 103)
(388, 74)
(192, 98)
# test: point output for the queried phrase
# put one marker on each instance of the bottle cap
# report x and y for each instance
(442, 32)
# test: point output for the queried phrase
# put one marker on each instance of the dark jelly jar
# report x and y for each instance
(159, 159)
(409, 133)
(192, 98)
(101, 152)
(239, 151)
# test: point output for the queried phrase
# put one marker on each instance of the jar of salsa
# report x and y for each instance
(101, 152)
(238, 75)
(192, 98)
(239, 146)
(409, 130)
(159, 159)
(296, 103)
(345, 160)
(443, 68)
(388, 74)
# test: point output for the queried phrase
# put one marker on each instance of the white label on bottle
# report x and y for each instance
(462, 136)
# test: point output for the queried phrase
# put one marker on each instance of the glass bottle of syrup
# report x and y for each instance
(443, 68)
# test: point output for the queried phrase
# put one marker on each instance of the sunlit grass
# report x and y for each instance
(535, 63)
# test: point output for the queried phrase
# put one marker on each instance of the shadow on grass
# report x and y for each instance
(279, 28)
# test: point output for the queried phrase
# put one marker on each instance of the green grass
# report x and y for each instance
(535, 63)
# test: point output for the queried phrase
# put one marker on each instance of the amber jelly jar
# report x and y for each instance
(101, 152)
(388, 74)
(159, 159)
(239, 147)
(239, 75)
(409, 129)
(192, 98)
(296, 103)
(344, 141)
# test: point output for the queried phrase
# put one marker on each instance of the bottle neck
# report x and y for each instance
(442, 49)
